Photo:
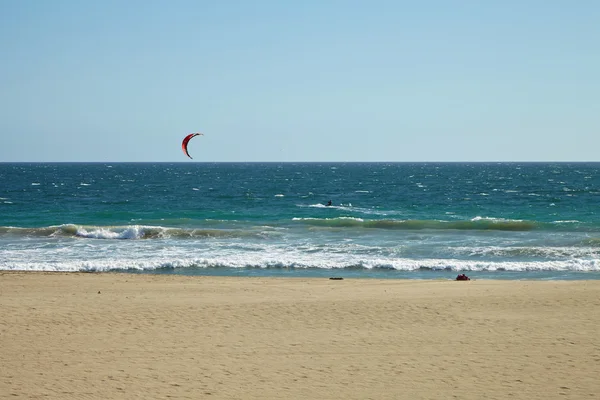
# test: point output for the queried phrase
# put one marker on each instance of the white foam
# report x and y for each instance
(283, 259)
(326, 219)
(493, 219)
(130, 232)
(320, 249)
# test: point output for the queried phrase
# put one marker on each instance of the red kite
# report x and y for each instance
(186, 139)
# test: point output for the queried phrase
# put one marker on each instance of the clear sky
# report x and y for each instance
(310, 80)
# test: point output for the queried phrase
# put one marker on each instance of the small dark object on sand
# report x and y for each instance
(335, 278)
(462, 277)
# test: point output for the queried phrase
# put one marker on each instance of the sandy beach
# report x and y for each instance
(123, 336)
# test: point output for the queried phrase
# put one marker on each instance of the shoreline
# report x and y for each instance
(113, 335)
(334, 274)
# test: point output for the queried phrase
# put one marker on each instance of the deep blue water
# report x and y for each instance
(387, 220)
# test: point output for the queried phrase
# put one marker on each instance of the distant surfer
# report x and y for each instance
(328, 203)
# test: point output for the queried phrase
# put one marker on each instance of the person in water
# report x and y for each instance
(328, 203)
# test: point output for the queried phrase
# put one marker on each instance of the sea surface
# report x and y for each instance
(387, 220)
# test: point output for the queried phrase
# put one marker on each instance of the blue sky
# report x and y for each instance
(317, 80)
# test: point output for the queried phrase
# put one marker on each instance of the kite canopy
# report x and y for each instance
(186, 139)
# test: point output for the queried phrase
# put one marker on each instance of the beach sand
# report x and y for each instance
(128, 336)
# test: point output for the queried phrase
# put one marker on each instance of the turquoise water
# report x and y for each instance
(387, 220)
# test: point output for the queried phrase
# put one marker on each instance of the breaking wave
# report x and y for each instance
(128, 232)
(230, 265)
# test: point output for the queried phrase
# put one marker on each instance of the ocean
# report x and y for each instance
(386, 220)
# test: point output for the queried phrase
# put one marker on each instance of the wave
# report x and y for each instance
(352, 209)
(131, 232)
(579, 250)
(231, 265)
(239, 229)
(474, 224)
(128, 232)
(592, 242)
(331, 207)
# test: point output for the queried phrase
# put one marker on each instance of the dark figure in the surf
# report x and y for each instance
(328, 203)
